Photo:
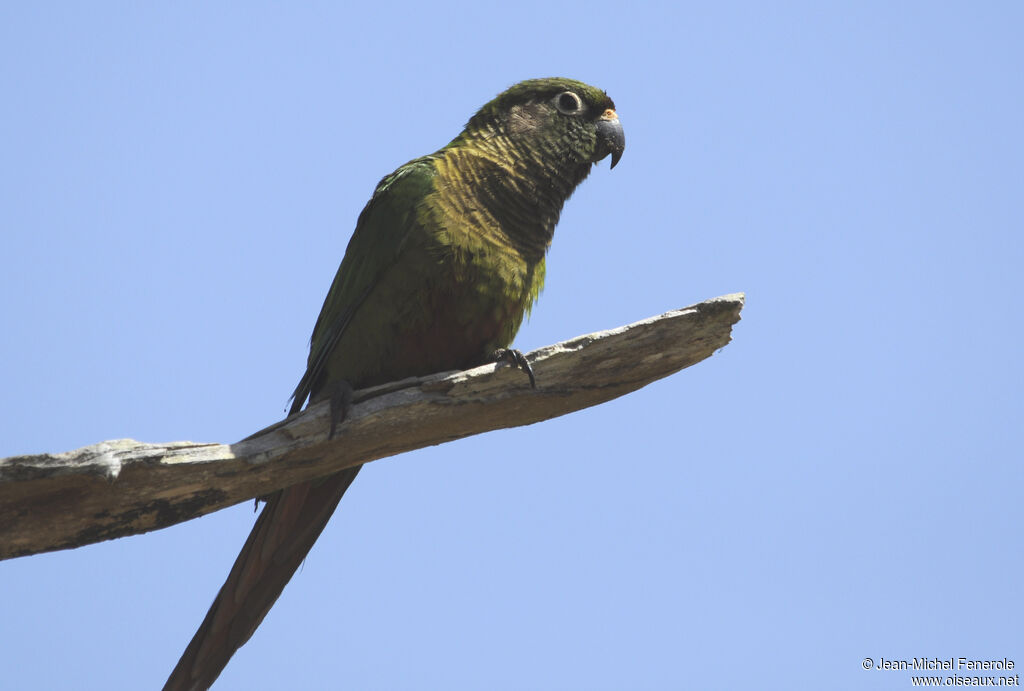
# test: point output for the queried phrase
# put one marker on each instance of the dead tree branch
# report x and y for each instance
(124, 487)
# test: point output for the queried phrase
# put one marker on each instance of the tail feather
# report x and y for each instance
(284, 533)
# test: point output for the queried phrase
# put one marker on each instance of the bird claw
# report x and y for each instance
(516, 359)
(341, 401)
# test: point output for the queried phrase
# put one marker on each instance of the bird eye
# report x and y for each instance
(569, 103)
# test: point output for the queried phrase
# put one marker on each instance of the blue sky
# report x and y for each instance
(177, 187)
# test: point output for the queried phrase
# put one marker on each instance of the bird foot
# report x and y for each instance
(516, 359)
(341, 402)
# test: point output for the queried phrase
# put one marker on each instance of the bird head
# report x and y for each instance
(562, 122)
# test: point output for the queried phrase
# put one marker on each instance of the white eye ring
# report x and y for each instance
(569, 103)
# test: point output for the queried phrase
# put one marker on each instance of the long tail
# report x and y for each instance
(284, 533)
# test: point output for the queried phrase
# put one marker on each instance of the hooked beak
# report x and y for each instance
(610, 137)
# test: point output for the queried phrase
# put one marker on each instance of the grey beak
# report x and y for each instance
(610, 137)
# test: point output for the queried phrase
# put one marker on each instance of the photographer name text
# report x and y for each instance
(954, 663)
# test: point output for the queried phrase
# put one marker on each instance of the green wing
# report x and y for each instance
(382, 230)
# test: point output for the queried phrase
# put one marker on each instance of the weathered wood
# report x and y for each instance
(124, 487)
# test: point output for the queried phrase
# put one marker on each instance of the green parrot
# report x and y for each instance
(446, 259)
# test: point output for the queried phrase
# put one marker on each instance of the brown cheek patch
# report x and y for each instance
(524, 118)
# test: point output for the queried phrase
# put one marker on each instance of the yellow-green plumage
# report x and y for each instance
(446, 258)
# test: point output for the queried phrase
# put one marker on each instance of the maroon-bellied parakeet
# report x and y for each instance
(446, 258)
